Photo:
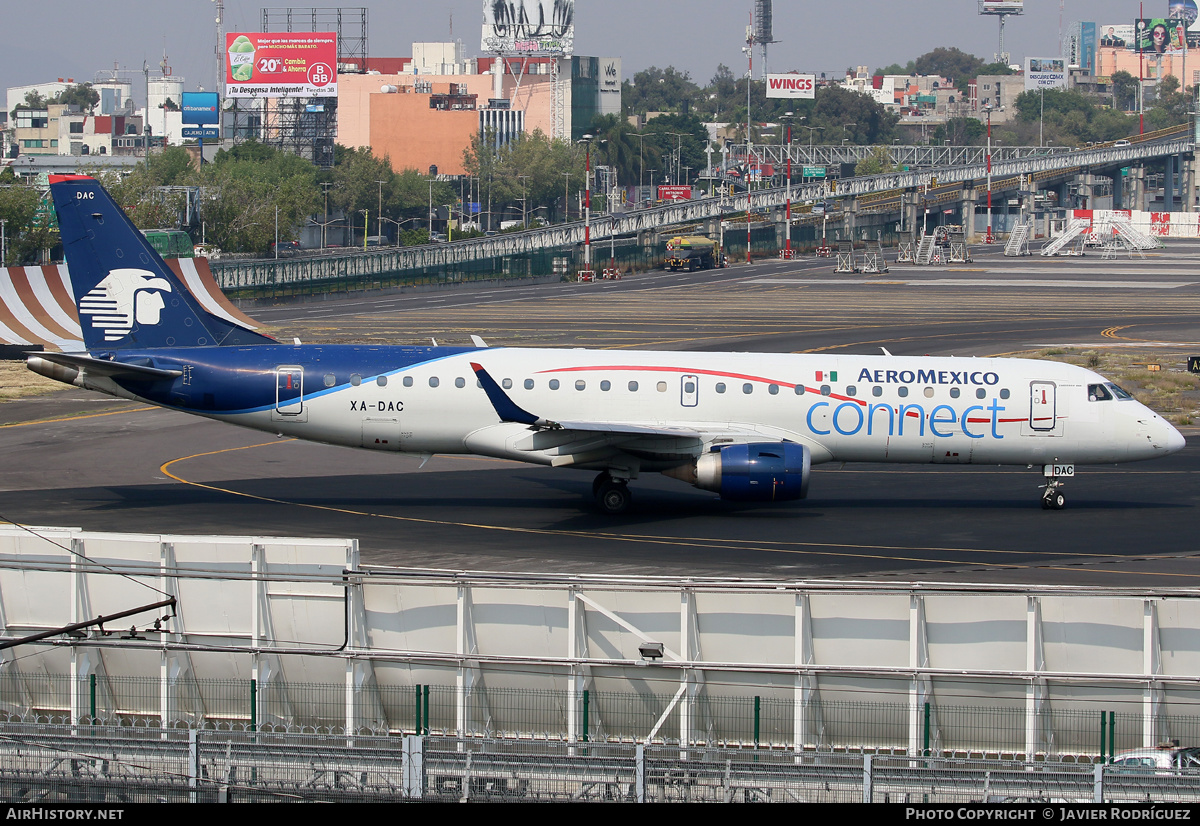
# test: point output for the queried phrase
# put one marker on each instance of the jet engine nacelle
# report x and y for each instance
(766, 472)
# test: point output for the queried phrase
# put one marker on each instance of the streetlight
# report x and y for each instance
(522, 179)
(566, 196)
(587, 204)
(989, 238)
(325, 225)
(844, 125)
(381, 183)
(787, 232)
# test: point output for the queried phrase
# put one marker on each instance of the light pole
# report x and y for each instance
(844, 125)
(523, 178)
(3, 242)
(989, 238)
(566, 196)
(380, 222)
(431, 207)
(787, 230)
(587, 203)
(325, 226)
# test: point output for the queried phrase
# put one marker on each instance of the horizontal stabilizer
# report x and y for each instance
(110, 369)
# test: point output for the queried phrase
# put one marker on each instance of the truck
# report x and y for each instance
(693, 252)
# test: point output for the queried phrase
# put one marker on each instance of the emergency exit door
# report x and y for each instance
(1043, 406)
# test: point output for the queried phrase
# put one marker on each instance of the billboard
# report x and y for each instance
(200, 108)
(792, 86)
(1158, 35)
(280, 64)
(674, 193)
(532, 27)
(1045, 73)
(1003, 6)
(1119, 35)
(1184, 10)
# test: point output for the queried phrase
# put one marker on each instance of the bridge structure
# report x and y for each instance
(935, 176)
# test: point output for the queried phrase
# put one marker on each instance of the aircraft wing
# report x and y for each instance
(570, 441)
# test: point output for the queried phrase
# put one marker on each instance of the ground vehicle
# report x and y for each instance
(692, 252)
(286, 248)
(1161, 758)
(170, 243)
(1120, 144)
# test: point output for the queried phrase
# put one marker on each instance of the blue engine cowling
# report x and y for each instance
(764, 472)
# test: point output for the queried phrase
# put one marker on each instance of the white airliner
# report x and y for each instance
(746, 425)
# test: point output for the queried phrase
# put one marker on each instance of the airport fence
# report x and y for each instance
(706, 720)
(101, 765)
(362, 271)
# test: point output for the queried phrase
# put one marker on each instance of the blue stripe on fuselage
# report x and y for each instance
(238, 380)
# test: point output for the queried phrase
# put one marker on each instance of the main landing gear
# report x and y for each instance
(612, 495)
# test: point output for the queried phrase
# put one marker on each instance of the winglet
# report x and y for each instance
(506, 408)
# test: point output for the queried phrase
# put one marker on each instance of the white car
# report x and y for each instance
(1152, 759)
(1120, 144)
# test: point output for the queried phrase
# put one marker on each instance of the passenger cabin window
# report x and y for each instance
(689, 387)
(382, 380)
(408, 381)
(1004, 394)
(580, 384)
(460, 382)
(553, 384)
(877, 391)
(800, 390)
(633, 385)
(661, 387)
(747, 388)
(355, 379)
(720, 387)
(606, 385)
(433, 381)
(902, 392)
(1098, 393)
(955, 392)
(773, 389)
(851, 390)
(929, 392)
(507, 384)
(528, 384)
(826, 389)
(330, 380)
(981, 393)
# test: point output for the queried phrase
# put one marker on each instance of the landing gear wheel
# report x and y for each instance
(598, 481)
(613, 497)
(1053, 498)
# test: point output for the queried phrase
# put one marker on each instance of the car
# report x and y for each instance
(286, 248)
(1169, 757)
(1120, 144)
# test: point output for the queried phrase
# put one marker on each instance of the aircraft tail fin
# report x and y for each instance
(126, 294)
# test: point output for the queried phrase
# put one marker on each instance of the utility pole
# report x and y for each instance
(990, 239)
(380, 222)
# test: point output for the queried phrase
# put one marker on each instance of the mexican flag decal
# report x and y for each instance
(830, 375)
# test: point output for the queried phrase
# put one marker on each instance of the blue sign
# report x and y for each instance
(202, 132)
(201, 107)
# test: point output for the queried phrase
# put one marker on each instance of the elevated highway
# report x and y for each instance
(961, 176)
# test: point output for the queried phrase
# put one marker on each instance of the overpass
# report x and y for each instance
(953, 173)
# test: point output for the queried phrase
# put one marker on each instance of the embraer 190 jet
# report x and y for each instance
(748, 426)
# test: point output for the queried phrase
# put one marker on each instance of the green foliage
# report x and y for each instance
(1125, 91)
(897, 69)
(879, 162)
(841, 112)
(659, 90)
(81, 95)
(951, 64)
(26, 227)
(527, 174)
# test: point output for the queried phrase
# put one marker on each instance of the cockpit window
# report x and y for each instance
(1117, 391)
(1098, 393)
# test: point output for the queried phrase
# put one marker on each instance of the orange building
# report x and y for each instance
(1109, 60)
(397, 114)
(405, 129)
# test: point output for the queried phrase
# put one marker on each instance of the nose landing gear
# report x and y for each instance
(1052, 496)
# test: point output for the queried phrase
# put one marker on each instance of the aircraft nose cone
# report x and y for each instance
(1175, 440)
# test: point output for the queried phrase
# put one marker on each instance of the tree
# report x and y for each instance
(860, 118)
(659, 90)
(684, 136)
(33, 100)
(877, 163)
(951, 63)
(1125, 91)
(26, 223)
(81, 95)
